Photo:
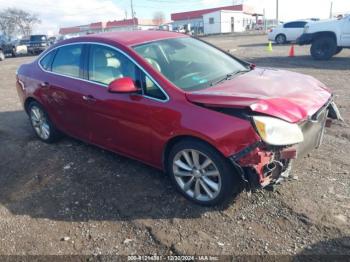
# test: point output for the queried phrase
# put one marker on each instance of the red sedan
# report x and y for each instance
(210, 120)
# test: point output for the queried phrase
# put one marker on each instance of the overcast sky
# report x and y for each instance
(59, 13)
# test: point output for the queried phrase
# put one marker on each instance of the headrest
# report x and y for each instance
(154, 64)
(100, 59)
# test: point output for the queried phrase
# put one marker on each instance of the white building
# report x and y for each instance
(225, 19)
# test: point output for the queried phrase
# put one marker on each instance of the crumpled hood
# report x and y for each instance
(282, 94)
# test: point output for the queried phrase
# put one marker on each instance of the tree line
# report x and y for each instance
(14, 22)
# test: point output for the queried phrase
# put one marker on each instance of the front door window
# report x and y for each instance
(106, 65)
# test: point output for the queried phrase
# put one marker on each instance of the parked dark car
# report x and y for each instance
(37, 44)
(6, 48)
(210, 120)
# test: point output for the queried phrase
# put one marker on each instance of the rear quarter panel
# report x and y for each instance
(28, 79)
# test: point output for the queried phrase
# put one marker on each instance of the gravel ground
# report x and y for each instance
(73, 198)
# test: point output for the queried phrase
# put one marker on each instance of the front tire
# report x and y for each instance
(201, 174)
(2, 55)
(323, 48)
(41, 123)
(339, 49)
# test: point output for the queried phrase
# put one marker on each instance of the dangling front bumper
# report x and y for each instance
(261, 164)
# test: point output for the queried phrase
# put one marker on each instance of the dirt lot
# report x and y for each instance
(73, 198)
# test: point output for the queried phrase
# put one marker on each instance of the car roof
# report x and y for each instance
(130, 38)
(301, 20)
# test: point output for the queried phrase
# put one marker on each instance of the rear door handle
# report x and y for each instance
(89, 98)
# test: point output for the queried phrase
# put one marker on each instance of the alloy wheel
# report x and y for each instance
(39, 122)
(197, 175)
(280, 39)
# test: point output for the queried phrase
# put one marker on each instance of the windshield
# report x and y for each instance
(188, 63)
(38, 38)
(23, 42)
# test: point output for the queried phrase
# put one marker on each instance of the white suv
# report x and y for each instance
(288, 32)
(327, 38)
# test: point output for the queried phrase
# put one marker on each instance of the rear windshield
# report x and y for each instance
(38, 38)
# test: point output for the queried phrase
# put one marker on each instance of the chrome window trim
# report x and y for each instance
(100, 84)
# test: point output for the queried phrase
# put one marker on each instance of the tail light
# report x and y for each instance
(270, 30)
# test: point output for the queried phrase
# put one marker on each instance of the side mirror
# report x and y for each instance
(252, 66)
(122, 85)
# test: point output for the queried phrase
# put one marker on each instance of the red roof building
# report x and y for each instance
(69, 30)
(117, 25)
(200, 13)
(125, 22)
(96, 26)
(82, 29)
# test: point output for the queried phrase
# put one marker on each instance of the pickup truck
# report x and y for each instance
(37, 44)
(327, 37)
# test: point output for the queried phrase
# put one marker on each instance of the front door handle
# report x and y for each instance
(89, 98)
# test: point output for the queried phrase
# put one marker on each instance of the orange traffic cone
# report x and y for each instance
(291, 51)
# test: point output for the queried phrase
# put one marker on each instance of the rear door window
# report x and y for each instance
(300, 24)
(295, 25)
(68, 60)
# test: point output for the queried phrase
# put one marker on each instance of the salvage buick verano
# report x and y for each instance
(210, 120)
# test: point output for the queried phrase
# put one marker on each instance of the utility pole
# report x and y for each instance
(331, 11)
(132, 13)
(265, 25)
(277, 7)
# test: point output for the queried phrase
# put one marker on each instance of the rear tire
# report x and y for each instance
(41, 123)
(323, 48)
(210, 181)
(281, 39)
(14, 52)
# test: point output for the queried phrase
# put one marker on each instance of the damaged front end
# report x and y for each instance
(265, 165)
(268, 162)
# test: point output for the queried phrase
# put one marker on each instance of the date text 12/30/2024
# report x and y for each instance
(172, 258)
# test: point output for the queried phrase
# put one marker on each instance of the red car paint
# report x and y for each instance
(122, 85)
(141, 128)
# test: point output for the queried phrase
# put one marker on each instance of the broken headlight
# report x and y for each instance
(277, 132)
